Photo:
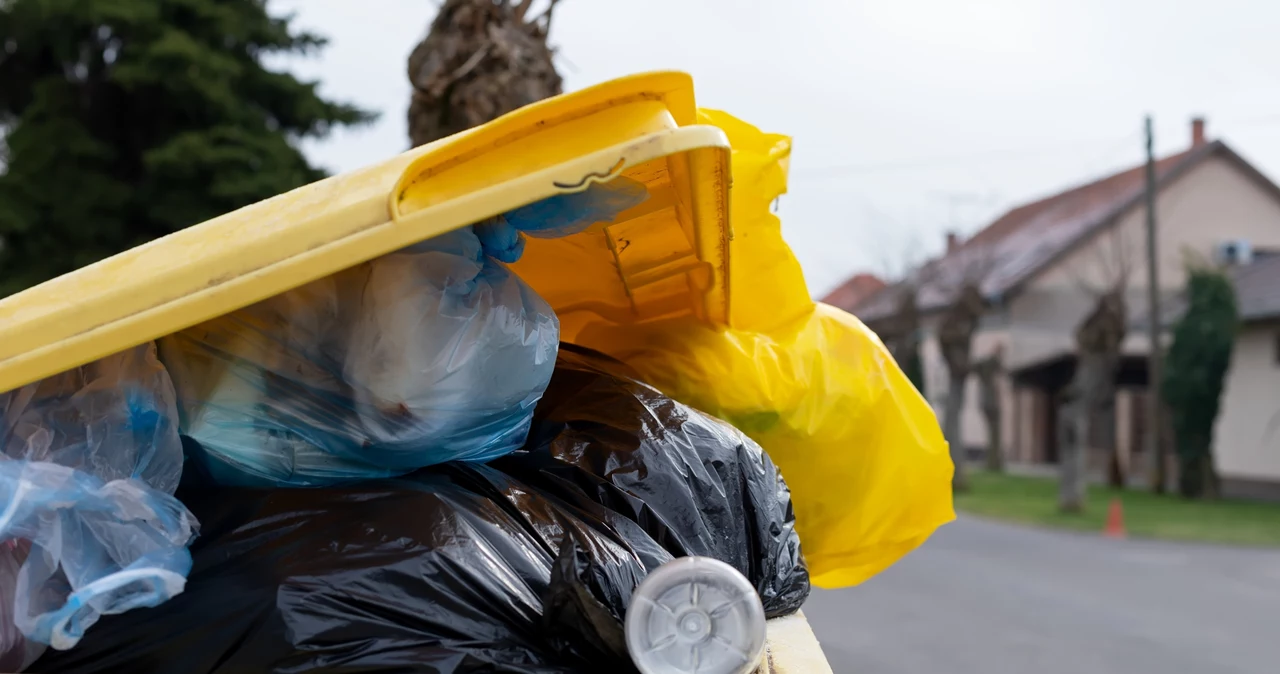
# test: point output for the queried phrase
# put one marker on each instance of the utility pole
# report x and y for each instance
(1155, 448)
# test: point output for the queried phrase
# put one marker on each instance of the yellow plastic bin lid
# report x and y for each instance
(665, 257)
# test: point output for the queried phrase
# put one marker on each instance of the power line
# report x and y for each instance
(1115, 143)
(1264, 120)
(846, 169)
(1131, 142)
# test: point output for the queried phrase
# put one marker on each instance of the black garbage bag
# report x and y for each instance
(451, 570)
(463, 568)
(695, 484)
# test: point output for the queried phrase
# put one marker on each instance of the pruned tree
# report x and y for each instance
(988, 371)
(956, 329)
(1098, 341)
(958, 280)
(1089, 402)
(1196, 370)
(960, 284)
(901, 330)
(480, 60)
(906, 347)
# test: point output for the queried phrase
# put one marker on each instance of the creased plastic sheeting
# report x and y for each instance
(431, 354)
(694, 484)
(115, 546)
(88, 460)
(16, 651)
(559, 215)
(860, 448)
(454, 569)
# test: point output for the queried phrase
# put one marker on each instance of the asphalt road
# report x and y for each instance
(987, 598)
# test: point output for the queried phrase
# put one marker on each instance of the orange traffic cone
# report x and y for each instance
(1115, 520)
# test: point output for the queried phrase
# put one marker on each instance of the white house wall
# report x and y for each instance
(1246, 439)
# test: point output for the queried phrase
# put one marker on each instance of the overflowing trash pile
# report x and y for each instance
(405, 466)
(335, 438)
(523, 565)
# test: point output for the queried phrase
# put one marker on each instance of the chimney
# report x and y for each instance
(1197, 131)
(953, 242)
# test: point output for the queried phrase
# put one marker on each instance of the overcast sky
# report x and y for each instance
(910, 117)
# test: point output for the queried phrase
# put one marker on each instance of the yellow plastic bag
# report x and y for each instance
(861, 450)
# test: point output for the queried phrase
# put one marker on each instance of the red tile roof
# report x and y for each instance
(1085, 198)
(851, 293)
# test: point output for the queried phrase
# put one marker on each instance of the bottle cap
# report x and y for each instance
(695, 615)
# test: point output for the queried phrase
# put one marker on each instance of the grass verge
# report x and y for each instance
(1034, 500)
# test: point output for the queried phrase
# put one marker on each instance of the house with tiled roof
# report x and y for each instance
(1246, 435)
(1042, 264)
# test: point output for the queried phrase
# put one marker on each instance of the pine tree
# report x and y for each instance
(126, 120)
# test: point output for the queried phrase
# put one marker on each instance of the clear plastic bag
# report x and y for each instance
(113, 418)
(16, 652)
(88, 461)
(434, 353)
(450, 352)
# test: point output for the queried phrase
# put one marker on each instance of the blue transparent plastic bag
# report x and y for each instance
(557, 216)
(88, 461)
(431, 354)
(434, 353)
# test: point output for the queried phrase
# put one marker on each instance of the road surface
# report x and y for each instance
(987, 598)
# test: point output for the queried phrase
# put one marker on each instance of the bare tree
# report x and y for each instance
(480, 60)
(900, 330)
(988, 371)
(1089, 404)
(955, 339)
(1098, 341)
(958, 281)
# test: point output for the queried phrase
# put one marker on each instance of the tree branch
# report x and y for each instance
(522, 9)
(438, 87)
(1082, 283)
(1124, 262)
(543, 20)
